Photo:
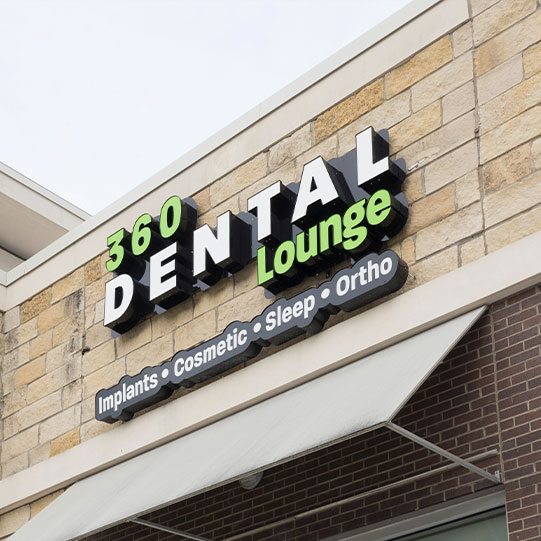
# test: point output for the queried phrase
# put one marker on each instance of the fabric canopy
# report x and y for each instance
(359, 397)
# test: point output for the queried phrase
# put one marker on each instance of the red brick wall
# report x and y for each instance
(485, 395)
(517, 343)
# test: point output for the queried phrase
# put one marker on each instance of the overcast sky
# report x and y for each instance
(98, 95)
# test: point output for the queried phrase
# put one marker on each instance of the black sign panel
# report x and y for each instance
(368, 279)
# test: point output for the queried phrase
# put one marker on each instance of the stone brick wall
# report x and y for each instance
(464, 113)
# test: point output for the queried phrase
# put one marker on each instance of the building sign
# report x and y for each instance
(344, 209)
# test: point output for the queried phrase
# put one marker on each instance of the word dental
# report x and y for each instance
(370, 278)
(292, 230)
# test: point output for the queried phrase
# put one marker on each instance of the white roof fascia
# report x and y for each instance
(19, 188)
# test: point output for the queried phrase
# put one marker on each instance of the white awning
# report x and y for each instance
(361, 396)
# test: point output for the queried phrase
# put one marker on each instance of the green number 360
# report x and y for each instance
(141, 237)
(116, 250)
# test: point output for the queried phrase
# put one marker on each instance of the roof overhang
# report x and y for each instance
(32, 217)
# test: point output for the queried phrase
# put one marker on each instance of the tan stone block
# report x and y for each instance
(75, 302)
(440, 142)
(442, 82)
(106, 376)
(210, 218)
(51, 317)
(290, 147)
(472, 250)
(416, 68)
(239, 178)
(510, 104)
(93, 270)
(458, 102)
(505, 203)
(477, 6)
(407, 250)
(499, 80)
(462, 39)
(95, 291)
(14, 401)
(511, 134)
(195, 331)
(507, 169)
(39, 454)
(172, 319)
(436, 265)
(59, 424)
(202, 200)
(41, 344)
(510, 231)
(536, 153)
(97, 357)
(59, 311)
(245, 279)
(29, 372)
(11, 425)
(20, 335)
(133, 339)
(39, 410)
(68, 329)
(99, 311)
(88, 409)
(57, 357)
(151, 354)
(8, 384)
(89, 316)
(467, 189)
(532, 60)
(414, 186)
(451, 166)
(415, 127)
(52, 381)
(42, 503)
(94, 428)
(458, 226)
(213, 297)
(68, 285)
(507, 44)
(13, 520)
(66, 441)
(499, 17)
(242, 308)
(20, 443)
(37, 304)
(348, 110)
(96, 335)
(12, 319)
(13, 466)
(287, 174)
(431, 209)
(72, 393)
(389, 113)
